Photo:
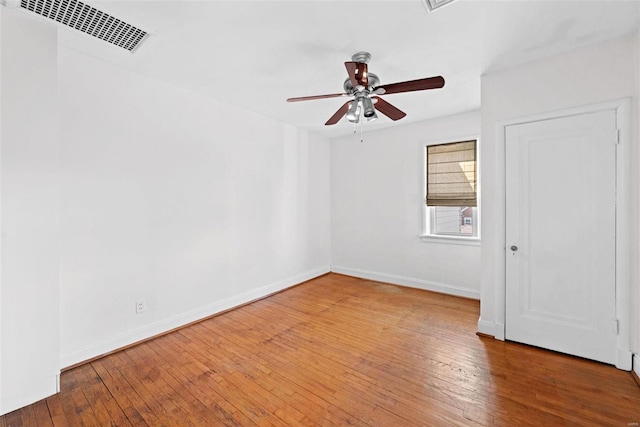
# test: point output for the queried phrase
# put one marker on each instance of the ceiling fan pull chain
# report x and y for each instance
(361, 133)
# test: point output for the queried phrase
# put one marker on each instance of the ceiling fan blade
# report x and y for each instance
(388, 110)
(338, 114)
(410, 86)
(309, 98)
(358, 72)
(351, 71)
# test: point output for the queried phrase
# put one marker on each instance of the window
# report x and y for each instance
(451, 208)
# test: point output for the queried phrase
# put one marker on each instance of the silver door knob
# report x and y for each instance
(514, 248)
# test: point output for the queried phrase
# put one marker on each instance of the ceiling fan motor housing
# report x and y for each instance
(373, 82)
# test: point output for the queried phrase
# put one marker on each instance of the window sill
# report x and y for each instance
(450, 240)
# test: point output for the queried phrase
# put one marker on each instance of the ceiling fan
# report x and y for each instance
(365, 87)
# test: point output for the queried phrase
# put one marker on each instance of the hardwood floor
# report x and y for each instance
(338, 351)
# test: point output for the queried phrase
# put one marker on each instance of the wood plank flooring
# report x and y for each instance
(338, 351)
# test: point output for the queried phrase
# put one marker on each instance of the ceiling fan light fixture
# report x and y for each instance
(369, 111)
(353, 114)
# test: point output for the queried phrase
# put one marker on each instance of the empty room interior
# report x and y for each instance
(387, 213)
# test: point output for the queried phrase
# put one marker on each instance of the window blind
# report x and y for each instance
(451, 174)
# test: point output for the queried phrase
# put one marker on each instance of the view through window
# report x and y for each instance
(454, 220)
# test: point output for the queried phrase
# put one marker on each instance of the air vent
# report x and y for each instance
(88, 20)
(434, 4)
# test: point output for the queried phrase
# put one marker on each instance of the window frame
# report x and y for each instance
(427, 233)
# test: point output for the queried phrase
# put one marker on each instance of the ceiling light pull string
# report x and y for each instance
(361, 133)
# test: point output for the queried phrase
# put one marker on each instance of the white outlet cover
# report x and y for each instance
(141, 307)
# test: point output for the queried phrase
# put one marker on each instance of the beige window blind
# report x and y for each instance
(451, 174)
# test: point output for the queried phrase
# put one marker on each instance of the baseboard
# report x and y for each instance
(78, 356)
(624, 359)
(636, 368)
(408, 281)
(486, 328)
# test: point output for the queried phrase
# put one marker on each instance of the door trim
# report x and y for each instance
(622, 107)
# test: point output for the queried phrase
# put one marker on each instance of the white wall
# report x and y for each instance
(584, 76)
(29, 213)
(176, 199)
(376, 209)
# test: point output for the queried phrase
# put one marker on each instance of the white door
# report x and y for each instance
(560, 247)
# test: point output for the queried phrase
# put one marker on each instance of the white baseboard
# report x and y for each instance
(486, 328)
(408, 281)
(78, 355)
(636, 364)
(624, 359)
(496, 330)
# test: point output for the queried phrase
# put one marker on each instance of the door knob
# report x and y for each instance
(514, 248)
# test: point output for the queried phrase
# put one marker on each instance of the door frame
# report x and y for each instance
(622, 108)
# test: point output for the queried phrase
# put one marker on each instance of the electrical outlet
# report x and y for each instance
(141, 306)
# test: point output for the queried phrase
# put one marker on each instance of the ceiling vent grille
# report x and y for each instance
(434, 4)
(88, 20)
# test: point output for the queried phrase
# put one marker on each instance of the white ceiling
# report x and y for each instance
(255, 54)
